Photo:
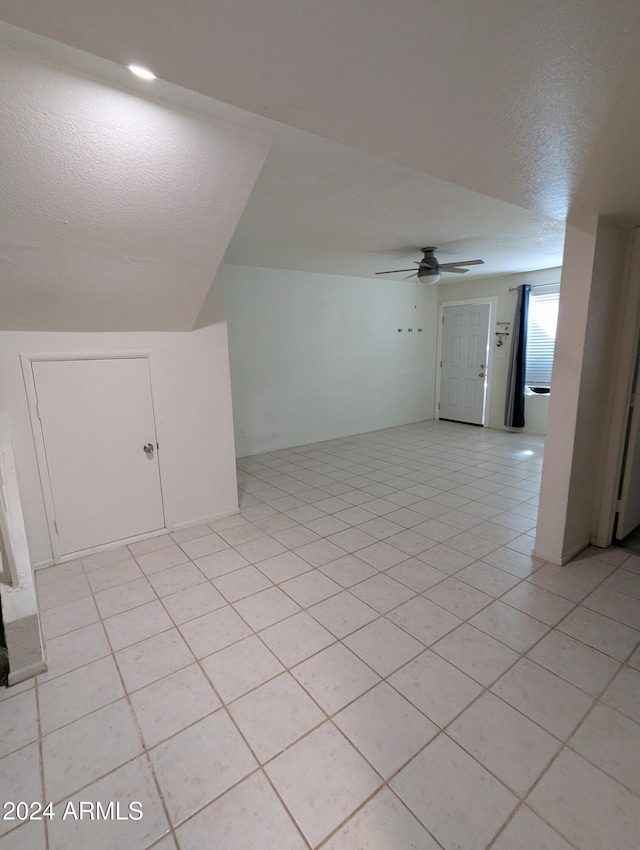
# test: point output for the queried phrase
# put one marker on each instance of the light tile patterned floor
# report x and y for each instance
(367, 657)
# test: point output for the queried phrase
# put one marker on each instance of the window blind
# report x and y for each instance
(541, 336)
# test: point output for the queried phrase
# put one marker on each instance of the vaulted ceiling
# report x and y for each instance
(116, 210)
(477, 125)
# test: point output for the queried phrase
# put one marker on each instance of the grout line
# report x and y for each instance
(523, 805)
(41, 759)
(308, 480)
(145, 752)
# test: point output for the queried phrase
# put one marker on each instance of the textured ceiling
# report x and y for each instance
(475, 127)
(116, 210)
(323, 207)
(532, 103)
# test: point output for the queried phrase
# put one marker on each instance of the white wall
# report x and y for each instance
(315, 357)
(536, 406)
(193, 409)
(592, 284)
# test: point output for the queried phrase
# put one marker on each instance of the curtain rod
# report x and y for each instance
(533, 286)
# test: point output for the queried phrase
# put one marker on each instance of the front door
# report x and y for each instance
(463, 378)
(99, 437)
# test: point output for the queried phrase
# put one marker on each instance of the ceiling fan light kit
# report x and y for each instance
(430, 270)
(431, 276)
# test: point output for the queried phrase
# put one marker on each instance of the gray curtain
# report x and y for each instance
(514, 410)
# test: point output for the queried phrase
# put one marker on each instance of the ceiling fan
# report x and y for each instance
(430, 270)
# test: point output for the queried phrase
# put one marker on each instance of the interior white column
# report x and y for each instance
(592, 282)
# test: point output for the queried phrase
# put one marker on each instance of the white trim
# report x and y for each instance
(160, 444)
(38, 437)
(549, 559)
(41, 455)
(207, 519)
(628, 336)
(28, 672)
(12, 531)
(43, 565)
(492, 301)
(123, 354)
(112, 544)
(554, 559)
(49, 562)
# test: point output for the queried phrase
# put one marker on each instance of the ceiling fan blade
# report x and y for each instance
(393, 271)
(462, 263)
(415, 274)
(455, 271)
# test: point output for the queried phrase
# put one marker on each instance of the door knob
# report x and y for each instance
(148, 449)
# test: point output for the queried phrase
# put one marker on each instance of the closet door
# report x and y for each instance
(99, 435)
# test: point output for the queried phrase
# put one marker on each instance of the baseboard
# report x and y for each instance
(204, 520)
(24, 673)
(544, 556)
(576, 551)
(50, 562)
(113, 544)
(559, 560)
(23, 636)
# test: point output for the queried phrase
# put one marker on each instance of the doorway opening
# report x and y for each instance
(626, 530)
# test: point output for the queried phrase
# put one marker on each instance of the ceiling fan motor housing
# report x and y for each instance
(429, 266)
(430, 270)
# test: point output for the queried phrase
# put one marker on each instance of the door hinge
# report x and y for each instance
(38, 412)
(55, 525)
(443, 320)
(619, 505)
(632, 400)
(441, 364)
(438, 405)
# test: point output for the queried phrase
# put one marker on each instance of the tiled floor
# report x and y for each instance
(367, 657)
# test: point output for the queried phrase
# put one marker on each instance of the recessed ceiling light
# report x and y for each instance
(141, 72)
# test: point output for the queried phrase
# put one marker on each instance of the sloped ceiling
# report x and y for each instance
(532, 103)
(117, 210)
(322, 207)
(477, 127)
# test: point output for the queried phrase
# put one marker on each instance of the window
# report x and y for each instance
(541, 335)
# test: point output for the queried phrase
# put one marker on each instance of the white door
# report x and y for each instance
(101, 453)
(463, 376)
(629, 503)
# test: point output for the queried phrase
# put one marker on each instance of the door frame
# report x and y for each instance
(26, 361)
(619, 402)
(492, 301)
